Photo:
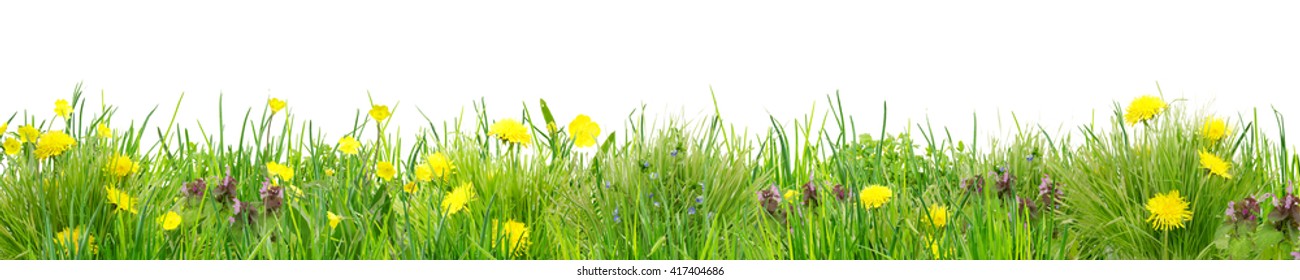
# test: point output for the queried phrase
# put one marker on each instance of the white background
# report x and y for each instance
(1049, 63)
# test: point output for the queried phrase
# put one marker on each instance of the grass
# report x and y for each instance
(659, 188)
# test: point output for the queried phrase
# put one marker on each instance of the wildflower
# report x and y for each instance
(699, 199)
(1029, 158)
(1168, 211)
(169, 221)
(810, 194)
(276, 105)
(789, 194)
(71, 238)
(329, 172)
(616, 217)
(1215, 164)
(194, 189)
(272, 196)
(938, 215)
(1286, 211)
(770, 200)
(410, 187)
(441, 165)
(874, 196)
(423, 173)
(973, 184)
(274, 169)
(1143, 108)
(607, 185)
(4, 128)
(62, 109)
(11, 146)
(583, 131)
(1027, 206)
(1295, 255)
(121, 165)
(122, 200)
(385, 170)
(1214, 129)
(656, 203)
(690, 210)
(349, 145)
(225, 191)
(654, 175)
(673, 153)
(28, 134)
(511, 131)
(242, 211)
(53, 143)
(841, 193)
(379, 112)
(103, 131)
(1006, 185)
(458, 199)
(334, 219)
(1048, 192)
(1245, 210)
(514, 234)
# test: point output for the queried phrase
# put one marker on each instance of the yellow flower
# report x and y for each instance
(385, 170)
(276, 105)
(53, 143)
(511, 131)
(938, 215)
(121, 165)
(1168, 211)
(70, 239)
(103, 131)
(4, 128)
(441, 165)
(1214, 129)
(334, 219)
(514, 234)
(380, 112)
(277, 170)
(329, 172)
(874, 196)
(410, 187)
(458, 199)
(1143, 108)
(1215, 164)
(122, 200)
(423, 173)
(28, 134)
(788, 195)
(584, 131)
(62, 109)
(169, 221)
(12, 147)
(349, 145)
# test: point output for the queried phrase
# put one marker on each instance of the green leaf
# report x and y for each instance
(1222, 236)
(1239, 249)
(1267, 237)
(551, 126)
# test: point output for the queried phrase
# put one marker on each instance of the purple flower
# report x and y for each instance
(272, 196)
(616, 218)
(645, 164)
(1245, 210)
(1048, 192)
(699, 199)
(1030, 158)
(226, 191)
(194, 189)
(1286, 211)
(673, 153)
(1295, 255)
(690, 211)
(841, 193)
(606, 184)
(243, 211)
(973, 184)
(810, 194)
(770, 200)
(1027, 206)
(1006, 185)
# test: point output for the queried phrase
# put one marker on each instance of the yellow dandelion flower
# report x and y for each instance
(380, 112)
(28, 134)
(122, 200)
(12, 146)
(349, 145)
(423, 173)
(511, 131)
(1168, 211)
(458, 199)
(410, 187)
(4, 128)
(938, 215)
(1143, 108)
(1214, 129)
(875, 196)
(62, 109)
(103, 131)
(121, 165)
(169, 221)
(71, 238)
(440, 165)
(1215, 164)
(789, 194)
(514, 234)
(583, 131)
(53, 143)
(274, 169)
(329, 172)
(276, 105)
(334, 219)
(385, 170)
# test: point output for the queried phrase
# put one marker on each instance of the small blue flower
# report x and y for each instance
(1030, 158)
(606, 184)
(652, 195)
(673, 153)
(699, 199)
(645, 164)
(616, 218)
(690, 211)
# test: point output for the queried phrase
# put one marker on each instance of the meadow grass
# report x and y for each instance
(660, 188)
